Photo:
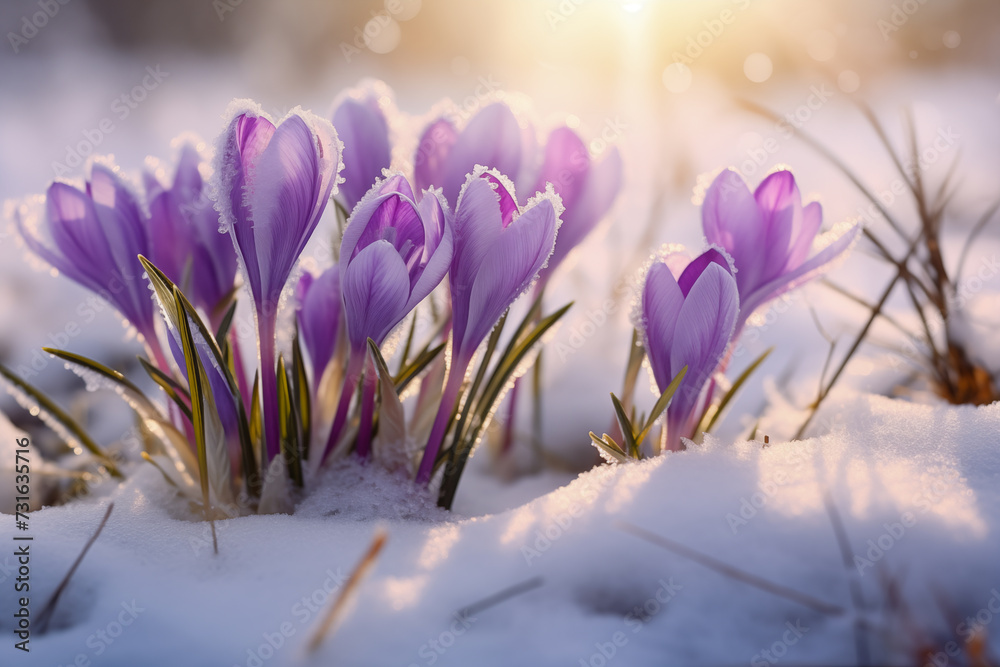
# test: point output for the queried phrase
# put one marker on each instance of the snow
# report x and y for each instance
(916, 486)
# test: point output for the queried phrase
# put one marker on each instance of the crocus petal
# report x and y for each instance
(432, 153)
(439, 247)
(604, 181)
(780, 205)
(319, 316)
(508, 203)
(286, 185)
(365, 133)
(492, 139)
(566, 165)
(477, 228)
(107, 189)
(705, 325)
(661, 303)
(802, 240)
(698, 265)
(731, 219)
(247, 138)
(187, 179)
(375, 289)
(508, 270)
(808, 270)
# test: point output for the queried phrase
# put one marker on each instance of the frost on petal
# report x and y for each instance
(375, 288)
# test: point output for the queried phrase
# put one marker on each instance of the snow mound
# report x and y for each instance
(916, 488)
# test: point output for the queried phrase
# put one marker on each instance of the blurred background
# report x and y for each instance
(660, 79)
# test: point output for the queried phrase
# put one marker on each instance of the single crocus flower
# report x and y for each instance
(274, 182)
(184, 237)
(362, 126)
(394, 253)
(687, 320)
(96, 236)
(493, 138)
(319, 317)
(499, 250)
(587, 189)
(769, 235)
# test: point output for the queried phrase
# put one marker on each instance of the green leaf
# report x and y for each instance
(257, 428)
(301, 393)
(56, 419)
(515, 353)
(740, 381)
(491, 346)
(391, 416)
(201, 404)
(225, 325)
(409, 341)
(288, 425)
(413, 370)
(178, 394)
(628, 432)
(661, 404)
(175, 305)
(609, 449)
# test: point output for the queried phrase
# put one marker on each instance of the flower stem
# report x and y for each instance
(268, 383)
(451, 390)
(367, 409)
(354, 366)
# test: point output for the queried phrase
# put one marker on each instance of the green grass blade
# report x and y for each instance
(413, 370)
(744, 376)
(288, 425)
(302, 394)
(57, 419)
(628, 432)
(178, 394)
(506, 366)
(197, 386)
(225, 325)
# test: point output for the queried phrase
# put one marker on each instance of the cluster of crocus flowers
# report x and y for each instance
(691, 310)
(454, 225)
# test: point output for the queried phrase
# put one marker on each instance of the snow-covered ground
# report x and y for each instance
(916, 488)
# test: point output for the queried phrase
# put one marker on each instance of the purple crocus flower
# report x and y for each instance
(687, 321)
(769, 235)
(493, 138)
(274, 183)
(394, 253)
(362, 126)
(319, 317)
(587, 190)
(499, 250)
(185, 239)
(97, 235)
